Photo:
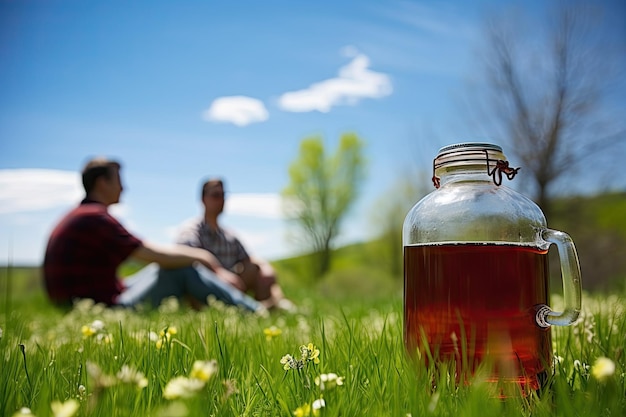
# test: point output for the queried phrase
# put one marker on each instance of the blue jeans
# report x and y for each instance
(154, 284)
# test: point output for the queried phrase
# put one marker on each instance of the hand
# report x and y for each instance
(230, 278)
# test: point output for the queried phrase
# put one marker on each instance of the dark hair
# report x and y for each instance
(96, 168)
(210, 183)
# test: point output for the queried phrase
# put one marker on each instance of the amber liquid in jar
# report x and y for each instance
(476, 302)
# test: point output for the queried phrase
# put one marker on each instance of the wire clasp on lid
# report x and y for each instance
(500, 168)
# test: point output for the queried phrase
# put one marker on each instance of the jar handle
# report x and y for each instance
(570, 273)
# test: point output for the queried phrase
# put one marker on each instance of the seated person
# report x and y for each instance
(253, 275)
(86, 248)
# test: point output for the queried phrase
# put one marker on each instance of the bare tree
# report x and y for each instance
(549, 87)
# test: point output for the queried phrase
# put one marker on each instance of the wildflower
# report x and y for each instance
(230, 388)
(104, 338)
(129, 375)
(303, 411)
(272, 332)
(165, 336)
(317, 405)
(289, 362)
(182, 387)
(307, 410)
(96, 328)
(66, 409)
(100, 379)
(328, 381)
(87, 331)
(603, 368)
(581, 367)
(310, 353)
(24, 411)
(170, 331)
(203, 370)
(82, 392)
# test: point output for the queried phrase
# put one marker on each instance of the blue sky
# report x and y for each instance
(178, 91)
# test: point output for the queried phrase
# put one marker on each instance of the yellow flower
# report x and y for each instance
(271, 332)
(303, 411)
(203, 370)
(182, 387)
(307, 410)
(87, 331)
(310, 353)
(66, 409)
(603, 368)
(168, 332)
(328, 381)
(165, 336)
(96, 327)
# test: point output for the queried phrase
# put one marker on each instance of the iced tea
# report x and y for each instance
(476, 302)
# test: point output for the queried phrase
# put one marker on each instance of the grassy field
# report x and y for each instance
(94, 361)
(347, 336)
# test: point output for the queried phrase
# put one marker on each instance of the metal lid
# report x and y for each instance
(469, 145)
(474, 153)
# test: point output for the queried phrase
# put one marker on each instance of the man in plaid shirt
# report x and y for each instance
(252, 275)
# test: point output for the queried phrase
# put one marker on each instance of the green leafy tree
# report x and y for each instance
(321, 191)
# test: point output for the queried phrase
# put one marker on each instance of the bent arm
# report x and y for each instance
(179, 256)
(175, 256)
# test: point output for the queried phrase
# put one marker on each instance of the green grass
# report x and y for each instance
(353, 316)
(358, 339)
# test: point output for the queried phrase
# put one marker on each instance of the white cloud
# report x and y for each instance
(24, 191)
(37, 189)
(239, 110)
(254, 205)
(354, 83)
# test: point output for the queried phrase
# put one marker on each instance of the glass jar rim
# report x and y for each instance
(469, 145)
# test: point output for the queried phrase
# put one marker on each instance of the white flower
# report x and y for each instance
(203, 370)
(100, 378)
(129, 375)
(66, 409)
(328, 381)
(317, 404)
(182, 387)
(24, 411)
(97, 325)
(581, 367)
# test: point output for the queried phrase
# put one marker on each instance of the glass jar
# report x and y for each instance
(476, 270)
